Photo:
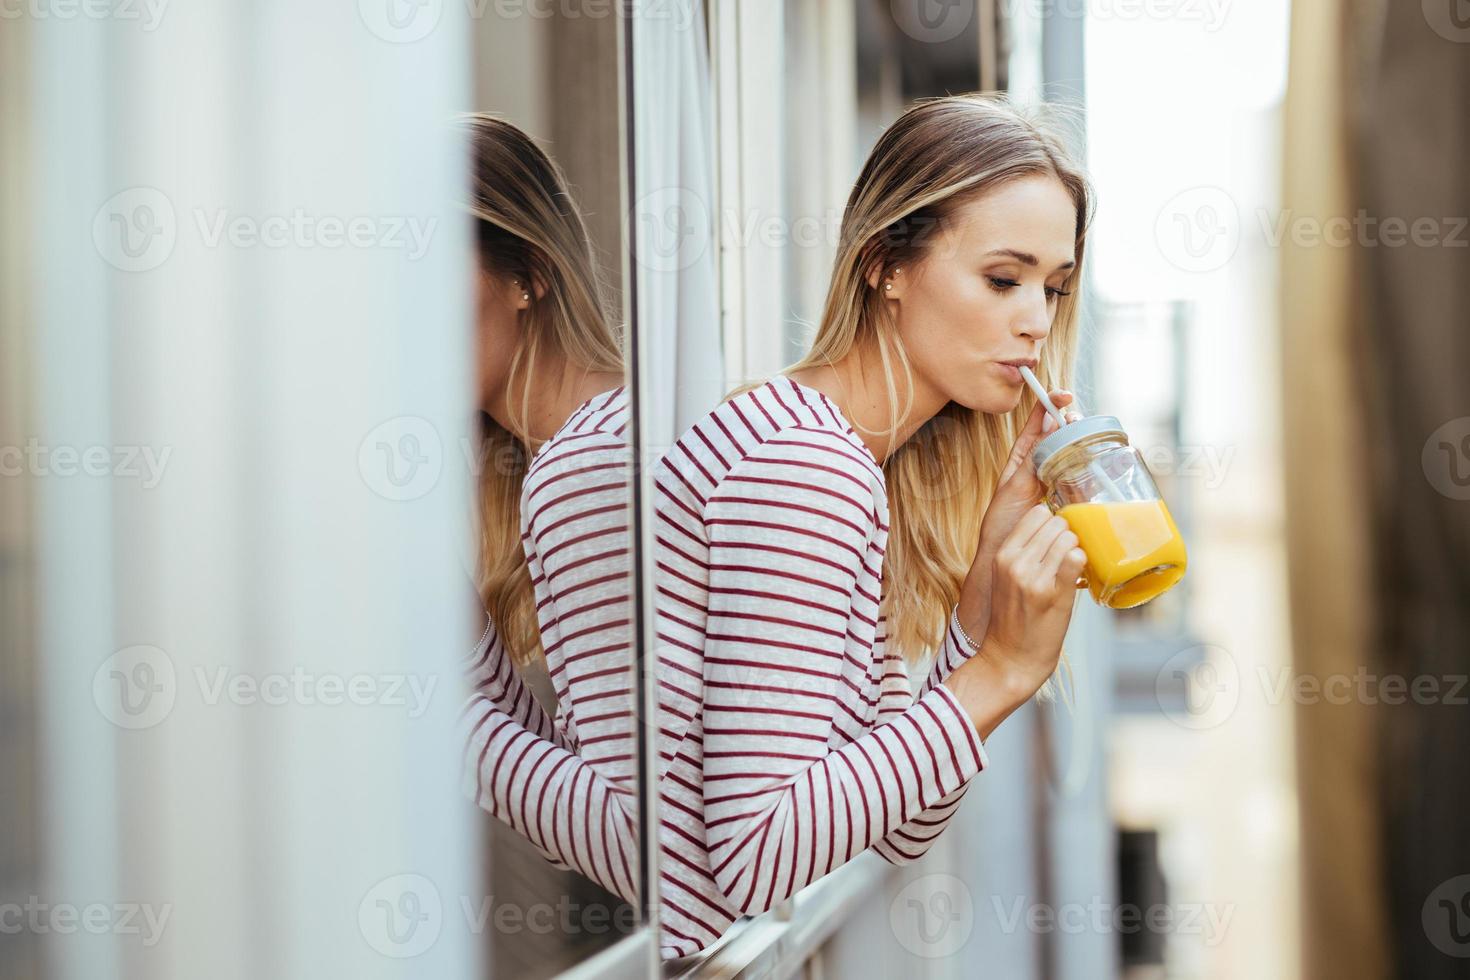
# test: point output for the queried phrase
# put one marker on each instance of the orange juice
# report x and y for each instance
(1134, 551)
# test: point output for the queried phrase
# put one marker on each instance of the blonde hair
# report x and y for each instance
(527, 226)
(935, 158)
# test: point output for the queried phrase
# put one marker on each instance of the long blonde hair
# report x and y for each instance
(528, 226)
(935, 158)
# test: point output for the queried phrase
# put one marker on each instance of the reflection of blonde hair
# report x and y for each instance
(528, 227)
(935, 158)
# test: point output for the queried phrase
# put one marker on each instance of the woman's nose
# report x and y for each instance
(1035, 321)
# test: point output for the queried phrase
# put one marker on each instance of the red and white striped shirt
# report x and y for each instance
(790, 739)
(568, 784)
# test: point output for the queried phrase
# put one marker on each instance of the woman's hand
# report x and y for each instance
(1017, 491)
(1033, 594)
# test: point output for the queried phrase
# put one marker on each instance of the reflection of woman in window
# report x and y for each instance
(553, 569)
(874, 503)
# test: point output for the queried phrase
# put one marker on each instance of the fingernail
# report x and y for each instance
(1048, 423)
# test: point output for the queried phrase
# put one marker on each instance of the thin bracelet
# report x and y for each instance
(489, 625)
(955, 620)
(974, 648)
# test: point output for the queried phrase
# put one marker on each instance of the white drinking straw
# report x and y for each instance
(1061, 420)
(1041, 394)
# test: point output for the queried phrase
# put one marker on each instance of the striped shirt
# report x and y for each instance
(790, 738)
(567, 784)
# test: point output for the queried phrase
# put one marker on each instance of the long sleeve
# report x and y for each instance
(573, 816)
(791, 531)
(953, 651)
(566, 787)
(913, 840)
(488, 672)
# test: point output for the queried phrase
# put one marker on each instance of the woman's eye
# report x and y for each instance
(1002, 284)
(1054, 293)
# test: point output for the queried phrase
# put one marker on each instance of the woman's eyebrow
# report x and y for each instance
(1026, 257)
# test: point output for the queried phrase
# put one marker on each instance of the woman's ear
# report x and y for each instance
(520, 293)
(891, 285)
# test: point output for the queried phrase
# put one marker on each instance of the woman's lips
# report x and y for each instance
(1011, 372)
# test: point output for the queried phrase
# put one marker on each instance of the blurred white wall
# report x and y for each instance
(250, 291)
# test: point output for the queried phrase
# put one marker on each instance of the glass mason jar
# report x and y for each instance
(1101, 486)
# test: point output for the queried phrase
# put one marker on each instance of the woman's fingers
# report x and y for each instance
(1061, 399)
(1063, 542)
(1035, 550)
(1018, 544)
(1036, 426)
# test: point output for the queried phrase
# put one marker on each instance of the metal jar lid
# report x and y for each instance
(1074, 432)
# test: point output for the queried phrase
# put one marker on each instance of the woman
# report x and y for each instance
(874, 503)
(553, 571)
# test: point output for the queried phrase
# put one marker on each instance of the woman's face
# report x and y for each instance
(985, 292)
